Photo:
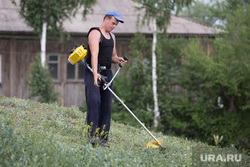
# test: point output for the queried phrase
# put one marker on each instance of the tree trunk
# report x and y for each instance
(154, 76)
(231, 102)
(43, 44)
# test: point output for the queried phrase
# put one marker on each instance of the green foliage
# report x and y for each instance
(200, 95)
(223, 9)
(25, 151)
(218, 84)
(10, 150)
(169, 52)
(41, 83)
(36, 134)
(135, 87)
(53, 12)
(161, 10)
(199, 11)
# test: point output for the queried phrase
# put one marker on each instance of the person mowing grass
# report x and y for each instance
(101, 54)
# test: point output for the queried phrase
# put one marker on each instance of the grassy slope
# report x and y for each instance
(56, 137)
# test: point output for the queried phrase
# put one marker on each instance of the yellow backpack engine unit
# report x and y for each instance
(77, 54)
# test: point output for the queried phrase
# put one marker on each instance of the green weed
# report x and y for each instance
(36, 134)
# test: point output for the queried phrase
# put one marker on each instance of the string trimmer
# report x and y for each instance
(155, 143)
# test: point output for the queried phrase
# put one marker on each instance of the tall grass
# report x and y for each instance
(36, 134)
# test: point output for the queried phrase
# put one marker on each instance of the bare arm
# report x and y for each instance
(93, 40)
(115, 58)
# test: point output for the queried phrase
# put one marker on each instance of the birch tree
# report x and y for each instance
(48, 16)
(159, 12)
(154, 75)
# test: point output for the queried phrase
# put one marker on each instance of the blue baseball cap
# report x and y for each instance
(116, 15)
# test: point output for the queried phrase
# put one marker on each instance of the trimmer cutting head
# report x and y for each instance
(154, 144)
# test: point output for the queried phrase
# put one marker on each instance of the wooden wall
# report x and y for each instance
(5, 68)
(18, 52)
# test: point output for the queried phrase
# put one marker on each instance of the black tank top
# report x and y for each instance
(105, 50)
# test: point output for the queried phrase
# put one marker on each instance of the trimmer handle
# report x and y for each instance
(125, 58)
(102, 81)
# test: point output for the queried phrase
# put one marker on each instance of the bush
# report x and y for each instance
(41, 83)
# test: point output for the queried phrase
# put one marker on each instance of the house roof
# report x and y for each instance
(12, 22)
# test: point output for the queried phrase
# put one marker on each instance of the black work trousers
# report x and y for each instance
(99, 104)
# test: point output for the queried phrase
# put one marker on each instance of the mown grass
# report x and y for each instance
(35, 134)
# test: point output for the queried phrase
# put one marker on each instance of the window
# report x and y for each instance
(70, 71)
(75, 72)
(53, 65)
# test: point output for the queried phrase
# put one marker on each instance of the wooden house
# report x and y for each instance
(19, 45)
